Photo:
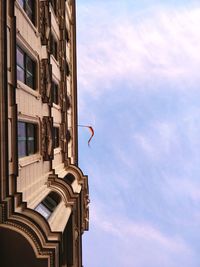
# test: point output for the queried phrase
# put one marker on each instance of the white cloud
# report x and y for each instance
(160, 45)
(158, 140)
(186, 187)
(138, 243)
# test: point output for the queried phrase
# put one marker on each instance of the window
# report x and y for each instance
(27, 141)
(29, 8)
(26, 68)
(54, 6)
(54, 93)
(55, 137)
(66, 35)
(69, 178)
(54, 47)
(48, 205)
(67, 68)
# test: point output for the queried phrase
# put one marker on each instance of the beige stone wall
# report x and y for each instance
(31, 178)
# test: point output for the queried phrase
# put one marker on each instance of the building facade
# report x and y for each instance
(43, 193)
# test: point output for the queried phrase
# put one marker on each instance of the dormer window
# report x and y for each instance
(48, 204)
(69, 178)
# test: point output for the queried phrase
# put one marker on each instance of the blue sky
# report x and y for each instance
(138, 86)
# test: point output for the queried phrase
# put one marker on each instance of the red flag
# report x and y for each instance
(91, 130)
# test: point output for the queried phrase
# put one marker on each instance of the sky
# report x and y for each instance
(138, 86)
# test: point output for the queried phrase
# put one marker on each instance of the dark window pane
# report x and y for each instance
(50, 203)
(29, 8)
(30, 71)
(54, 49)
(30, 80)
(31, 147)
(29, 64)
(67, 35)
(55, 137)
(54, 93)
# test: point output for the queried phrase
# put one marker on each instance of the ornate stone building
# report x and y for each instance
(43, 192)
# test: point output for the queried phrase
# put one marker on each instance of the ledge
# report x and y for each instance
(27, 89)
(25, 161)
(34, 28)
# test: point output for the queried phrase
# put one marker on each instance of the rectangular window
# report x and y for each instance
(54, 47)
(54, 93)
(27, 139)
(66, 35)
(29, 8)
(26, 68)
(55, 137)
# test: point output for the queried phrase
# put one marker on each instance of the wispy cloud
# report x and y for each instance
(138, 243)
(139, 87)
(161, 45)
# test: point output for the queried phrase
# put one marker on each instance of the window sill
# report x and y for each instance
(25, 161)
(56, 106)
(57, 150)
(34, 28)
(54, 14)
(54, 60)
(29, 90)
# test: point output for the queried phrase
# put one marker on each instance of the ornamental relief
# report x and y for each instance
(62, 136)
(65, 99)
(45, 21)
(85, 205)
(47, 138)
(46, 80)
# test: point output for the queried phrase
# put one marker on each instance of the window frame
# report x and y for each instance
(45, 206)
(25, 5)
(54, 46)
(55, 93)
(28, 138)
(54, 6)
(56, 138)
(26, 58)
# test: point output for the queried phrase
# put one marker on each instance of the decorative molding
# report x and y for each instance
(36, 234)
(47, 138)
(46, 80)
(63, 188)
(45, 22)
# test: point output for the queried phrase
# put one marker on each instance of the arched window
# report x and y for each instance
(48, 204)
(69, 178)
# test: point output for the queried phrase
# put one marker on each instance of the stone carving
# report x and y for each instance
(46, 80)
(47, 138)
(45, 21)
